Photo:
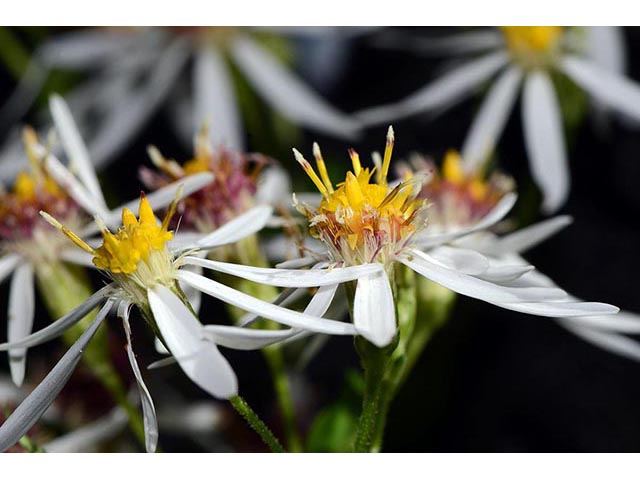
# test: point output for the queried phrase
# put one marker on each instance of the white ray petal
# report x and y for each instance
(73, 187)
(528, 237)
(496, 214)
(449, 88)
(286, 297)
(280, 277)
(199, 359)
(159, 346)
(622, 322)
(194, 296)
(265, 309)
(162, 197)
(246, 338)
(321, 301)
(8, 264)
(82, 49)
(606, 46)
(374, 314)
(490, 120)
(286, 93)
(505, 273)
(150, 419)
(461, 259)
(75, 148)
(61, 325)
(39, 400)
(544, 139)
(560, 309)
(610, 88)
(612, 342)
(129, 112)
(240, 227)
(215, 100)
(477, 288)
(20, 323)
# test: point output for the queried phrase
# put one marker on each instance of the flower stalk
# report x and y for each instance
(267, 436)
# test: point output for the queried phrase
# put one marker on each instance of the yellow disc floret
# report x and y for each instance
(363, 221)
(452, 171)
(532, 46)
(136, 256)
(133, 242)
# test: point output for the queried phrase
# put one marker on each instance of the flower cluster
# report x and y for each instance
(382, 253)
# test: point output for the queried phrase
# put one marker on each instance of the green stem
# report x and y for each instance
(372, 418)
(275, 360)
(256, 424)
(62, 288)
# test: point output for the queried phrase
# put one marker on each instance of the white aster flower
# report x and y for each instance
(523, 58)
(144, 271)
(28, 245)
(135, 71)
(361, 224)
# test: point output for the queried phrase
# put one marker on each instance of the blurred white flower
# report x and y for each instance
(459, 200)
(134, 71)
(524, 58)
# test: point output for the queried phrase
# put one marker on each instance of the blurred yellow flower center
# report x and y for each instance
(453, 172)
(133, 242)
(532, 45)
(360, 219)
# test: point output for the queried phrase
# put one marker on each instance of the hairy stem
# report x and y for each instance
(243, 408)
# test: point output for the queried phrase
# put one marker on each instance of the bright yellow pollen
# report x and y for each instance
(134, 241)
(529, 41)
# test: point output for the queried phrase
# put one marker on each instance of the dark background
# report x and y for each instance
(491, 379)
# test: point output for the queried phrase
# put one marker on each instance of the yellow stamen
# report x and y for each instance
(172, 208)
(388, 150)
(72, 236)
(306, 166)
(355, 161)
(322, 168)
(170, 167)
(452, 168)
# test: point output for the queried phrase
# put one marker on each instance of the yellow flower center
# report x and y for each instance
(133, 242)
(359, 219)
(532, 46)
(453, 172)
